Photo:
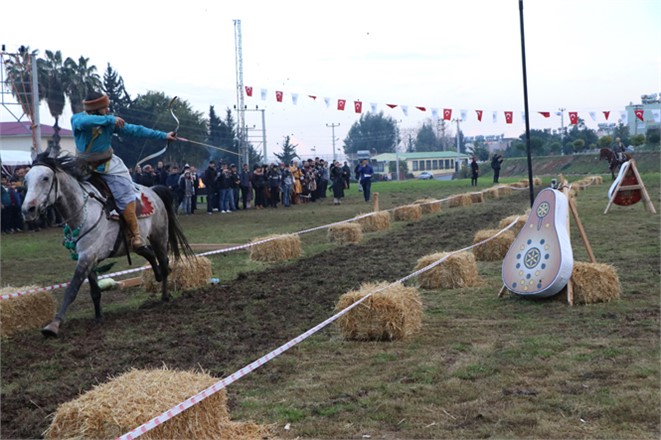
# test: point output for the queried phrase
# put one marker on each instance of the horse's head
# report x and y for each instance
(41, 183)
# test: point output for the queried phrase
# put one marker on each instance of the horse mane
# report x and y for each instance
(67, 163)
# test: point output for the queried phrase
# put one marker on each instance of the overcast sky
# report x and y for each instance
(582, 55)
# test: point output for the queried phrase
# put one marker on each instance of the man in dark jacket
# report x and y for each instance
(209, 180)
(245, 176)
(495, 164)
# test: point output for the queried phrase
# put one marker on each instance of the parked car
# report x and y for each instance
(425, 175)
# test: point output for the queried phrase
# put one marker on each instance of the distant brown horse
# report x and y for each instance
(613, 162)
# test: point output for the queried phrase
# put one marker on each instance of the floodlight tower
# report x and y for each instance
(240, 106)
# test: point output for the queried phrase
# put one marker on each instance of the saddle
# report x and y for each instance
(144, 206)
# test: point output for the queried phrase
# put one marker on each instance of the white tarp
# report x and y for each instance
(15, 157)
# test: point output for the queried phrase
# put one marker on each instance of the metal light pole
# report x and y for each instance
(525, 103)
(562, 129)
(332, 126)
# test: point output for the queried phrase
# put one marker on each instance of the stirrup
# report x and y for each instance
(137, 243)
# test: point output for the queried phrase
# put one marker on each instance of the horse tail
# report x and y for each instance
(176, 238)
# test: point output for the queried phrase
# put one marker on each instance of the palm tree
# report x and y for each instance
(81, 79)
(51, 73)
(19, 78)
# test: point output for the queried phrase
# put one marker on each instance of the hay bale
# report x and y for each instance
(345, 233)
(187, 273)
(598, 180)
(26, 312)
(537, 181)
(491, 193)
(112, 409)
(429, 206)
(460, 200)
(476, 197)
(279, 248)
(495, 249)
(407, 213)
(594, 283)
(391, 314)
(376, 221)
(504, 191)
(457, 271)
(520, 223)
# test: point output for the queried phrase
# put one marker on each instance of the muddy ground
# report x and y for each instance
(221, 327)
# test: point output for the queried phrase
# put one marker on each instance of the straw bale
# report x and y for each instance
(504, 190)
(376, 221)
(25, 312)
(187, 274)
(391, 314)
(407, 213)
(598, 180)
(457, 271)
(491, 193)
(537, 181)
(460, 200)
(280, 248)
(495, 249)
(116, 407)
(595, 282)
(477, 197)
(520, 184)
(345, 233)
(429, 206)
(520, 223)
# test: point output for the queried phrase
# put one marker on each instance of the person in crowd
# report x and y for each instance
(339, 182)
(475, 171)
(259, 184)
(324, 178)
(245, 177)
(209, 180)
(346, 172)
(162, 173)
(226, 195)
(93, 130)
(4, 208)
(196, 188)
(496, 162)
(172, 182)
(148, 176)
(274, 180)
(297, 182)
(186, 189)
(365, 172)
(235, 184)
(137, 174)
(286, 185)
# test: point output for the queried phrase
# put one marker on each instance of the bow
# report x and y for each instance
(164, 149)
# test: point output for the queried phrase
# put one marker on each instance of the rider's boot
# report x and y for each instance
(131, 219)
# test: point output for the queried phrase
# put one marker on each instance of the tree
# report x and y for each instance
(373, 132)
(227, 138)
(79, 80)
(638, 140)
(51, 73)
(578, 145)
(19, 77)
(605, 141)
(621, 131)
(426, 139)
(653, 136)
(480, 150)
(113, 84)
(288, 152)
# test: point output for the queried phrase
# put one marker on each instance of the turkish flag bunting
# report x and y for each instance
(573, 117)
(422, 109)
(341, 103)
(278, 96)
(312, 96)
(639, 114)
(358, 106)
(392, 105)
(447, 114)
(479, 115)
(248, 90)
(607, 114)
(545, 114)
(508, 117)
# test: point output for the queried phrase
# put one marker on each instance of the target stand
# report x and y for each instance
(628, 188)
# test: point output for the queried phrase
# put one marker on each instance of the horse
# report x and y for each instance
(613, 162)
(91, 234)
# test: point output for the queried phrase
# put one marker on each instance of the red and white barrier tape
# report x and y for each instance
(223, 383)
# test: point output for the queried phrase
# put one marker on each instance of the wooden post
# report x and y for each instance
(581, 231)
(502, 291)
(375, 202)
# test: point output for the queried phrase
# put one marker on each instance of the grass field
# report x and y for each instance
(480, 367)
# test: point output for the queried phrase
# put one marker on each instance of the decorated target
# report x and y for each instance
(540, 260)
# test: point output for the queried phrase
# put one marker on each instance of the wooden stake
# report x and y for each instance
(502, 291)
(581, 231)
(375, 202)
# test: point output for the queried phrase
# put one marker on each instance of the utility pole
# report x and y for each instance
(36, 125)
(332, 126)
(240, 107)
(257, 109)
(561, 113)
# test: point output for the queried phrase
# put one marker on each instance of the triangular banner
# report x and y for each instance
(639, 112)
(358, 106)
(278, 95)
(606, 114)
(294, 98)
(327, 102)
(479, 115)
(464, 114)
(447, 114)
(392, 105)
(422, 109)
(593, 115)
(545, 114)
(263, 93)
(508, 117)
(341, 103)
(373, 107)
(573, 118)
(248, 90)
(405, 110)
(434, 113)
(494, 117)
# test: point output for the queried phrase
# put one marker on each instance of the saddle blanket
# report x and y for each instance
(144, 208)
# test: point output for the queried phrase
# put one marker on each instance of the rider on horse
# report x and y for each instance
(93, 130)
(619, 149)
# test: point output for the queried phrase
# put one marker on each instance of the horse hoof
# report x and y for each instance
(51, 330)
(158, 276)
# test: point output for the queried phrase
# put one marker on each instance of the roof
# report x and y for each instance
(22, 128)
(391, 157)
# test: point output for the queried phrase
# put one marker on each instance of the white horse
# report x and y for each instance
(91, 234)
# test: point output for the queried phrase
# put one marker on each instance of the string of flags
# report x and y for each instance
(478, 114)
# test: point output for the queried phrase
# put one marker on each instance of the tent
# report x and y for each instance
(15, 157)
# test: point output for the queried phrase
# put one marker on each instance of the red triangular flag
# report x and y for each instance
(248, 90)
(479, 115)
(508, 117)
(607, 114)
(639, 114)
(545, 114)
(422, 109)
(358, 106)
(278, 96)
(573, 117)
(341, 103)
(392, 105)
(447, 114)
(312, 96)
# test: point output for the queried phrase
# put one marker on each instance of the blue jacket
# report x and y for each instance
(92, 134)
(365, 172)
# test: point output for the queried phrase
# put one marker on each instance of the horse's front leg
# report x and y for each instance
(82, 271)
(95, 292)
